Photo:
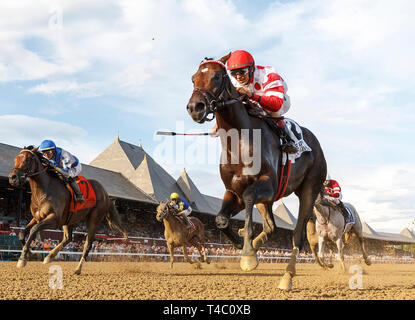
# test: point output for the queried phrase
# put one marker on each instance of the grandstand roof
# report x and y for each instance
(193, 194)
(283, 217)
(408, 233)
(114, 183)
(138, 167)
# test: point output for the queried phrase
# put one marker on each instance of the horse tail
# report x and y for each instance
(114, 220)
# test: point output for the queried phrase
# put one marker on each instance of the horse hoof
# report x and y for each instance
(368, 262)
(286, 283)
(21, 263)
(330, 266)
(77, 272)
(222, 222)
(47, 260)
(249, 263)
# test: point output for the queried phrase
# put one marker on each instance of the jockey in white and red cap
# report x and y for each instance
(264, 86)
(333, 193)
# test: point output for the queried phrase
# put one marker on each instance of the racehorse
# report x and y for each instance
(215, 95)
(50, 206)
(329, 227)
(177, 234)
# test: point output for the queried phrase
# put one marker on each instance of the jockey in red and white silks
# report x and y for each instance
(264, 86)
(332, 191)
(269, 90)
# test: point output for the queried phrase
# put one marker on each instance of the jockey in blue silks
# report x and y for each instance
(181, 206)
(65, 163)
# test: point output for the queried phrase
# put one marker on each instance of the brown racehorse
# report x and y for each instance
(214, 94)
(177, 234)
(50, 206)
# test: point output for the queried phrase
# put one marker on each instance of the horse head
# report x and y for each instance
(26, 164)
(163, 210)
(212, 89)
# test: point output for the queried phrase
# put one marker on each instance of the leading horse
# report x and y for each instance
(50, 206)
(214, 94)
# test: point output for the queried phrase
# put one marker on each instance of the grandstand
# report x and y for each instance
(136, 182)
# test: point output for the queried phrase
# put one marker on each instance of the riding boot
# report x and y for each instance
(288, 144)
(344, 211)
(186, 220)
(79, 197)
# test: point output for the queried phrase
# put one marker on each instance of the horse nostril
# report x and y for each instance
(200, 106)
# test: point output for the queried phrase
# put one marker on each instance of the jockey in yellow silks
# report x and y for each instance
(181, 206)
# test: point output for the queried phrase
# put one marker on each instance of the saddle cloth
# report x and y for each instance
(350, 220)
(87, 191)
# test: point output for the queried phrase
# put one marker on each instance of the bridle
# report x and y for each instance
(218, 101)
(28, 173)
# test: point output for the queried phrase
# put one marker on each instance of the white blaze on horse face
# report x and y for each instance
(204, 70)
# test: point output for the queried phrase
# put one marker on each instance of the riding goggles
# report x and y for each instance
(241, 72)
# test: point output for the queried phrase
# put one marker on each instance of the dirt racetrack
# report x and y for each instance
(155, 281)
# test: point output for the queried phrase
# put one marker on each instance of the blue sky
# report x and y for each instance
(79, 72)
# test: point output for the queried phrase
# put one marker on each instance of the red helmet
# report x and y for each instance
(240, 59)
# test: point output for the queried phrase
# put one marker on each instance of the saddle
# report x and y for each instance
(296, 134)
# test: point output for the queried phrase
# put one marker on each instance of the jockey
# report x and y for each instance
(181, 206)
(263, 86)
(333, 193)
(64, 163)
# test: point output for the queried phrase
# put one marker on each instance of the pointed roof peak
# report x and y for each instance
(368, 229)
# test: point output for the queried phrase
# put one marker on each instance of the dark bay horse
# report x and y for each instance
(177, 234)
(215, 95)
(50, 206)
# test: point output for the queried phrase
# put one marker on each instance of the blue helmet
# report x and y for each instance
(47, 145)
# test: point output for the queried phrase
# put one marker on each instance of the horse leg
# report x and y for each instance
(339, 243)
(171, 251)
(186, 257)
(231, 205)
(199, 245)
(321, 244)
(362, 247)
(260, 191)
(88, 244)
(26, 230)
(49, 222)
(330, 264)
(312, 238)
(268, 225)
(307, 196)
(67, 237)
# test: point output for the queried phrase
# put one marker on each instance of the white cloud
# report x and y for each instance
(22, 130)
(82, 90)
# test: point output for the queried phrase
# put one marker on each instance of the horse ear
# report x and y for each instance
(225, 58)
(35, 149)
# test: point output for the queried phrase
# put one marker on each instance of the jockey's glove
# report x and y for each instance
(65, 174)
